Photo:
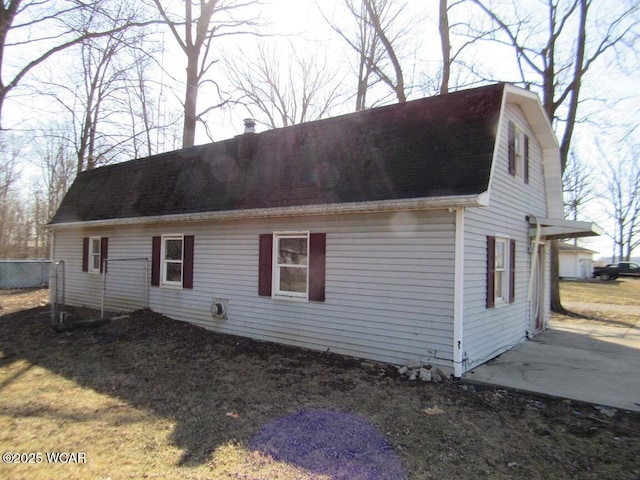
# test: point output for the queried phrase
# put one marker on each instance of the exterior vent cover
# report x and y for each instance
(220, 308)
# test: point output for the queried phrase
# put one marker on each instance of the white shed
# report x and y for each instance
(575, 262)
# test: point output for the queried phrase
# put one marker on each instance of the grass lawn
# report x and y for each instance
(148, 397)
(623, 291)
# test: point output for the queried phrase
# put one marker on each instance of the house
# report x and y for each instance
(411, 232)
(575, 262)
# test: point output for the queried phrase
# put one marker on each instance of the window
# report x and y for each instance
(518, 153)
(292, 265)
(291, 252)
(501, 257)
(172, 261)
(499, 272)
(94, 252)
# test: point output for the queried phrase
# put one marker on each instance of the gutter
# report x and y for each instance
(458, 297)
(430, 203)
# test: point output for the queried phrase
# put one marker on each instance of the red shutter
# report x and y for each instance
(265, 264)
(491, 272)
(155, 261)
(187, 262)
(85, 254)
(317, 254)
(526, 159)
(512, 271)
(104, 251)
(512, 148)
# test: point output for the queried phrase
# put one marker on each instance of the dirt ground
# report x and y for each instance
(149, 397)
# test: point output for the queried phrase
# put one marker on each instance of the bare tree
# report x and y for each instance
(558, 72)
(33, 31)
(555, 71)
(620, 196)
(456, 23)
(210, 20)
(578, 189)
(57, 163)
(284, 89)
(376, 37)
(10, 213)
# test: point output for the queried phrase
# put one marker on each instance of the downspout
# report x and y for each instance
(532, 273)
(458, 295)
(52, 238)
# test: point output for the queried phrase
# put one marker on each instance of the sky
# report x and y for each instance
(301, 20)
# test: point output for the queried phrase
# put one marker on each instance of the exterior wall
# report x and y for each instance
(389, 282)
(487, 332)
(577, 265)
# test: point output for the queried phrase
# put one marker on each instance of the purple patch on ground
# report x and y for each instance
(329, 442)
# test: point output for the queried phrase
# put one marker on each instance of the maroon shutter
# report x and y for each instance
(265, 264)
(512, 271)
(104, 251)
(317, 254)
(85, 254)
(155, 261)
(491, 272)
(526, 159)
(512, 148)
(187, 262)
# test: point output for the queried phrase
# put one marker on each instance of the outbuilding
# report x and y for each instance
(576, 263)
(415, 232)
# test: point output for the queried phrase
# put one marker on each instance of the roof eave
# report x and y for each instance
(558, 228)
(429, 203)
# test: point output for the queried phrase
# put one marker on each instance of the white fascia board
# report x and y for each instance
(429, 203)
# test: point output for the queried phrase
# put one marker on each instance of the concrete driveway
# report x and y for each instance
(583, 360)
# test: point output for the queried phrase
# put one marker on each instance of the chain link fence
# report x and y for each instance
(24, 273)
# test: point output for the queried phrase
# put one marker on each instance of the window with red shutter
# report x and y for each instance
(291, 265)
(172, 261)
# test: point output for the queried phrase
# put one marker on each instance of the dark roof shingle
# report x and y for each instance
(437, 146)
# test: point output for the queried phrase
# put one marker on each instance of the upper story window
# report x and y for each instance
(518, 152)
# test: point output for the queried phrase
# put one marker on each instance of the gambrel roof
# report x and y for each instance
(437, 147)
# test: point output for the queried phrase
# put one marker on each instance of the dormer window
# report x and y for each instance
(518, 153)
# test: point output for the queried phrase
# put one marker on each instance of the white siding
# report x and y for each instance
(489, 332)
(389, 283)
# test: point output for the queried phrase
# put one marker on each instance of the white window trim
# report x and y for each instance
(504, 299)
(285, 294)
(519, 151)
(163, 262)
(93, 253)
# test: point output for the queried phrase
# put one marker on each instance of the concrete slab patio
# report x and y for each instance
(582, 360)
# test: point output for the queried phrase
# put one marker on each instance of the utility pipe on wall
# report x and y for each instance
(532, 273)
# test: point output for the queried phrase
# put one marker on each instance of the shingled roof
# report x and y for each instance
(433, 147)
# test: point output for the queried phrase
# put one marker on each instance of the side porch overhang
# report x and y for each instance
(556, 228)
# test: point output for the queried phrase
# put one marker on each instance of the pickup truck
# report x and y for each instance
(612, 271)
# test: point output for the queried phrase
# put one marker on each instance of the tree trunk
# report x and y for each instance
(556, 303)
(445, 44)
(190, 101)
